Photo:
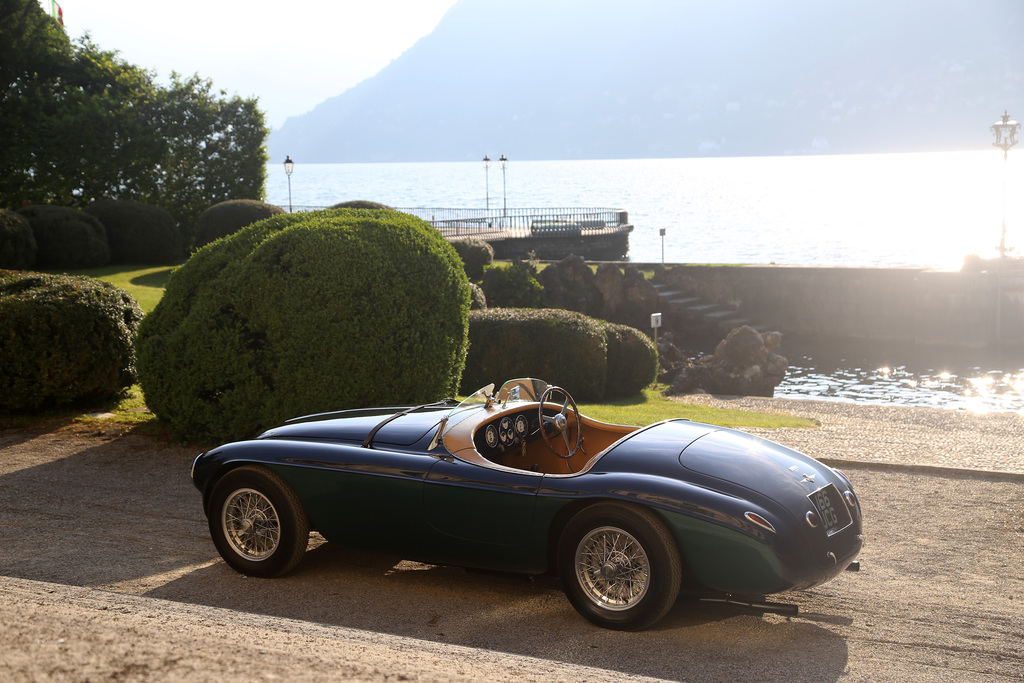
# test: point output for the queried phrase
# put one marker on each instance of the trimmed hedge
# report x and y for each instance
(592, 359)
(67, 238)
(514, 286)
(475, 253)
(63, 340)
(564, 348)
(137, 232)
(303, 313)
(17, 243)
(632, 361)
(227, 218)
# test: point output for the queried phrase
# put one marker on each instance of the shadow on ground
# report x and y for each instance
(117, 513)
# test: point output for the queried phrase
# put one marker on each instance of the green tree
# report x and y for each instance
(214, 149)
(79, 124)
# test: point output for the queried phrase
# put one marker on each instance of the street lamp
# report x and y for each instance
(504, 197)
(1006, 137)
(487, 179)
(289, 166)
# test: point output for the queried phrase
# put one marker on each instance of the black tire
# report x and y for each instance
(257, 522)
(619, 565)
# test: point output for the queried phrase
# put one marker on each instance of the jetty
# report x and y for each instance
(549, 234)
(597, 234)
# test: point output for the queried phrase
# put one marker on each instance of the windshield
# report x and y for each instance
(516, 390)
(523, 390)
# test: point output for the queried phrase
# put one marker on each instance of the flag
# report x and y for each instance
(56, 12)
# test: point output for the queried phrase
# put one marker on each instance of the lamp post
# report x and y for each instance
(289, 166)
(487, 179)
(504, 196)
(1006, 137)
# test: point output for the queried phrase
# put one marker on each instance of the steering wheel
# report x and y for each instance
(560, 423)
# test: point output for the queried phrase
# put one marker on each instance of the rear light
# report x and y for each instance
(851, 499)
(812, 518)
(760, 521)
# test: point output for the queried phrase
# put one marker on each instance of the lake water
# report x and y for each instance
(887, 210)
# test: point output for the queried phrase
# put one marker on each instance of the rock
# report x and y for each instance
(668, 353)
(627, 298)
(478, 299)
(608, 281)
(569, 284)
(743, 364)
(639, 292)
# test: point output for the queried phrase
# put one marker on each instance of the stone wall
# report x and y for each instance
(600, 247)
(886, 305)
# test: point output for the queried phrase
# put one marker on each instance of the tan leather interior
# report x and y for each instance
(536, 456)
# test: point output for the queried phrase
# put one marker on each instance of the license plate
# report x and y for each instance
(832, 510)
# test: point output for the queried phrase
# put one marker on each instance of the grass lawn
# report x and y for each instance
(652, 407)
(640, 410)
(145, 283)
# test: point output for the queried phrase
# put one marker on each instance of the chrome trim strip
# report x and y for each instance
(759, 521)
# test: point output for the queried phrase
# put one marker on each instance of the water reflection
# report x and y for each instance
(974, 388)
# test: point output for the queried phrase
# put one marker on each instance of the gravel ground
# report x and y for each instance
(107, 573)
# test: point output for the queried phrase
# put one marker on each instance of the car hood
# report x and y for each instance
(355, 425)
(757, 464)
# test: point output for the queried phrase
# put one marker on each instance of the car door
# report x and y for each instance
(471, 504)
(363, 497)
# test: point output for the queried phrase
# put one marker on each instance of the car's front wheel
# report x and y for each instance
(257, 522)
(619, 566)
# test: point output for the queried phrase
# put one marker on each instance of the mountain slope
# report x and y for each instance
(608, 79)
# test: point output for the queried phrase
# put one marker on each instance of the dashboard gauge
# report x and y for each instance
(505, 430)
(522, 426)
(491, 435)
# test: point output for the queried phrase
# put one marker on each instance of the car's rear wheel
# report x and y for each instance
(619, 566)
(257, 522)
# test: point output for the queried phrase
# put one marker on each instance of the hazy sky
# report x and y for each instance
(291, 54)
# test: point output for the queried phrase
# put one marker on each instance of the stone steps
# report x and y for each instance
(699, 314)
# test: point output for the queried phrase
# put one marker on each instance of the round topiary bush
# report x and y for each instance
(632, 361)
(361, 204)
(17, 244)
(475, 254)
(138, 233)
(67, 238)
(303, 313)
(63, 340)
(561, 347)
(514, 286)
(227, 218)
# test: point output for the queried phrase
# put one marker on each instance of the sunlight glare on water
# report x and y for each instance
(970, 388)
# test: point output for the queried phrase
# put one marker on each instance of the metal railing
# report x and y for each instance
(506, 223)
(524, 222)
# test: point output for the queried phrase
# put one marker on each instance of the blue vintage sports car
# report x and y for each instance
(520, 481)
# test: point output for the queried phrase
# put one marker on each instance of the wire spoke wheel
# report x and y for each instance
(257, 522)
(251, 524)
(620, 565)
(612, 568)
